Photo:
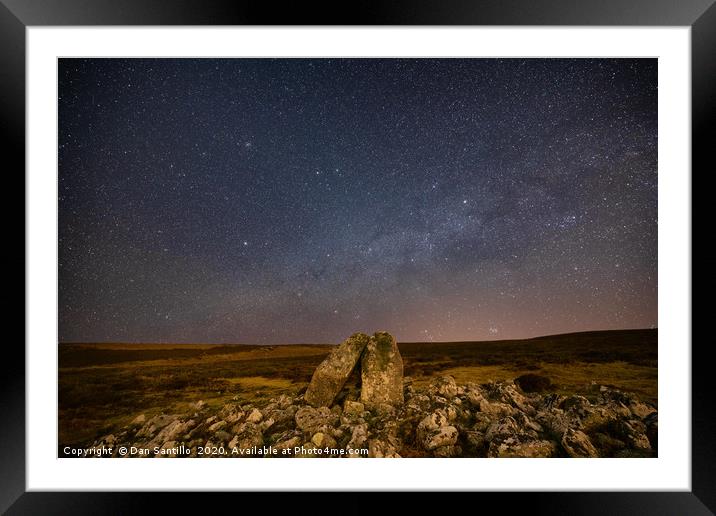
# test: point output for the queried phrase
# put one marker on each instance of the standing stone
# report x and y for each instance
(382, 371)
(330, 376)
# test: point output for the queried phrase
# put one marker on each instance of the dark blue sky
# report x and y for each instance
(301, 200)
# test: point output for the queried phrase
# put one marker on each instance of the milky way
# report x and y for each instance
(301, 200)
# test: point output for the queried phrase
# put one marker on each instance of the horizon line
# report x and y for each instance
(70, 342)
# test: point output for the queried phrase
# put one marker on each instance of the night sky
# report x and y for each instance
(301, 200)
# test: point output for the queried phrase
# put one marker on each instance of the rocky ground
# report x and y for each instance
(443, 419)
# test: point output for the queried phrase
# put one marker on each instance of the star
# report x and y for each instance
(424, 196)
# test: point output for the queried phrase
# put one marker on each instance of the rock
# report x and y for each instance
(512, 447)
(254, 416)
(452, 413)
(555, 421)
(217, 426)
(139, 420)
(383, 448)
(598, 417)
(533, 382)
(154, 424)
(632, 432)
(507, 393)
(199, 405)
(248, 436)
(353, 407)
(166, 449)
(482, 422)
(106, 441)
(382, 371)
(444, 386)
(231, 413)
(352, 419)
(606, 445)
(435, 431)
(551, 401)
(288, 444)
(284, 401)
(265, 424)
(430, 425)
(497, 409)
(331, 374)
(640, 409)
(502, 429)
(222, 436)
(384, 410)
(447, 451)
(171, 432)
(527, 425)
(312, 420)
(474, 440)
(358, 440)
(323, 440)
(578, 405)
(438, 400)
(577, 444)
(444, 436)
(652, 429)
(634, 453)
(474, 398)
(283, 419)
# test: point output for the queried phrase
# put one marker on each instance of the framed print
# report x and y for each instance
(455, 245)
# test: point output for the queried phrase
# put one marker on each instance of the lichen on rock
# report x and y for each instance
(382, 372)
(331, 374)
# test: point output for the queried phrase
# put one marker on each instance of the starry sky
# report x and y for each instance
(278, 201)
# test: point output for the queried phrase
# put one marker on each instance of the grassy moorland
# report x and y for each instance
(104, 386)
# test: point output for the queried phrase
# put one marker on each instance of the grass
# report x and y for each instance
(102, 387)
(252, 382)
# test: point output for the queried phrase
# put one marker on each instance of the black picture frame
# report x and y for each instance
(17, 15)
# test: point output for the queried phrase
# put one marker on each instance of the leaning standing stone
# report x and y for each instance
(382, 372)
(330, 376)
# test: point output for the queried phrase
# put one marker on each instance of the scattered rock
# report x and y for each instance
(323, 440)
(312, 420)
(255, 416)
(444, 386)
(217, 426)
(154, 424)
(288, 444)
(577, 444)
(171, 432)
(512, 447)
(353, 407)
(222, 436)
(444, 436)
(358, 439)
(652, 429)
(502, 429)
(248, 436)
(395, 418)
